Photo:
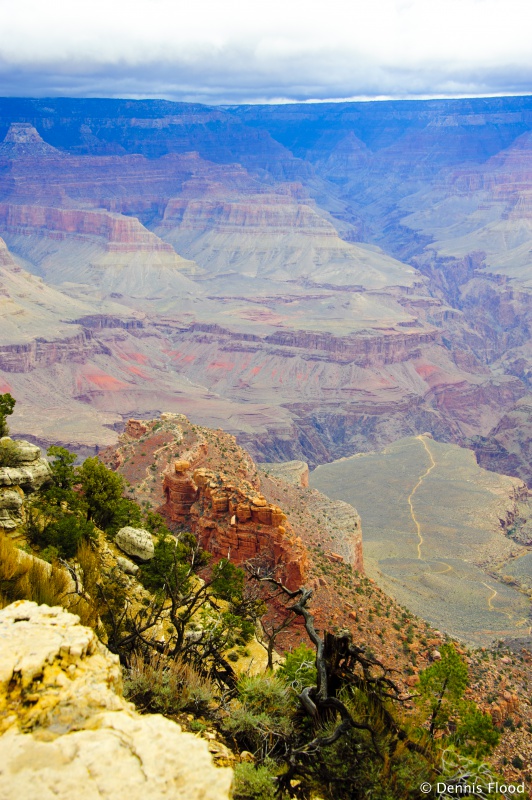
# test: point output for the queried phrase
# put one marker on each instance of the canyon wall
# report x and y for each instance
(119, 233)
(301, 338)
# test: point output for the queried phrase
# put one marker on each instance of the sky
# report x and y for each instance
(238, 51)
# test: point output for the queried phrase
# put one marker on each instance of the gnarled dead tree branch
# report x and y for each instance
(340, 665)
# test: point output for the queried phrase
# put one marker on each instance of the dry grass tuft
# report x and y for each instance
(25, 577)
(163, 686)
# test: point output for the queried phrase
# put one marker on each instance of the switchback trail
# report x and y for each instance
(521, 622)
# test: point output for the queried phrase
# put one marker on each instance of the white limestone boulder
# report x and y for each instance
(78, 737)
(136, 542)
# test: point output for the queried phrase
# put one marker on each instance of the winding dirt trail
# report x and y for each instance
(414, 490)
(492, 597)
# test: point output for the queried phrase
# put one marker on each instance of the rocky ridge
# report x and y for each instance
(224, 508)
(344, 598)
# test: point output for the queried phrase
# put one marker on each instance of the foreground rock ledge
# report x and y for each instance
(66, 730)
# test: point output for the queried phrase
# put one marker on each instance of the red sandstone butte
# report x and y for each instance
(232, 522)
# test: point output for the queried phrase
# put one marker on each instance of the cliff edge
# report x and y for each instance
(65, 729)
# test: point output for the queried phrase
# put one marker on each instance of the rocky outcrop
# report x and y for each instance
(136, 542)
(26, 467)
(342, 523)
(506, 705)
(11, 508)
(135, 428)
(26, 473)
(127, 566)
(65, 727)
(232, 520)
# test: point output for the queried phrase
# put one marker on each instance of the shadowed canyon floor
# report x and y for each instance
(433, 534)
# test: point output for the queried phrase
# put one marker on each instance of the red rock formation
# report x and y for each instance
(506, 705)
(231, 521)
(136, 428)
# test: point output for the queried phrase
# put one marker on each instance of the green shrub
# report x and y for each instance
(65, 534)
(7, 404)
(476, 734)
(261, 716)
(102, 492)
(441, 687)
(8, 454)
(196, 726)
(253, 783)
(170, 563)
(49, 554)
(62, 465)
(299, 668)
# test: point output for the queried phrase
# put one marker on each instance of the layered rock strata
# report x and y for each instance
(41, 353)
(120, 234)
(66, 729)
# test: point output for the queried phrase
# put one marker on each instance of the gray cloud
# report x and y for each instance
(290, 49)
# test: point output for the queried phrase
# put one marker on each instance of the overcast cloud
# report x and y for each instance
(229, 51)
